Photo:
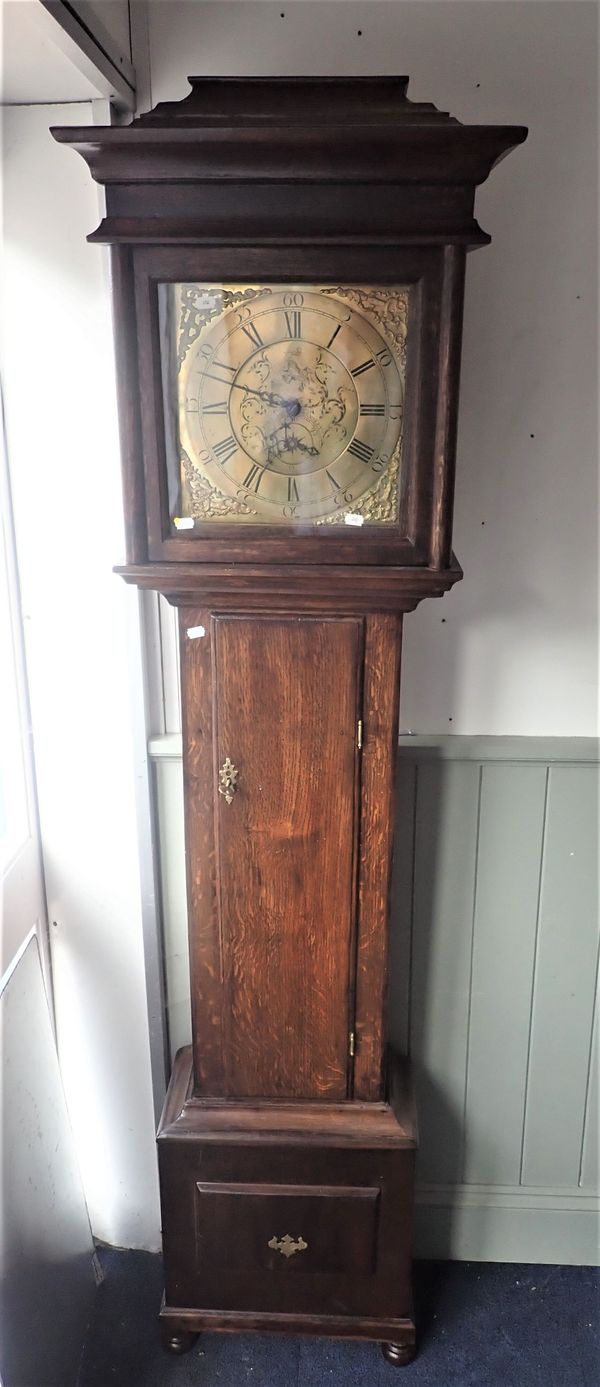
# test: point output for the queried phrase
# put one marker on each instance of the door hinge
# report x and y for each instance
(351, 1044)
(359, 734)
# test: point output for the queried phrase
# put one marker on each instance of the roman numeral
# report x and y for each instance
(225, 449)
(293, 490)
(252, 332)
(334, 334)
(254, 478)
(372, 409)
(364, 366)
(335, 484)
(360, 450)
(294, 322)
(219, 408)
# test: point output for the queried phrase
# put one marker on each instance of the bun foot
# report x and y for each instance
(400, 1355)
(178, 1340)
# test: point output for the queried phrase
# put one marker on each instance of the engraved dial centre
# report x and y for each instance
(296, 407)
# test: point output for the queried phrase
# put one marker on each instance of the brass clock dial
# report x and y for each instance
(290, 401)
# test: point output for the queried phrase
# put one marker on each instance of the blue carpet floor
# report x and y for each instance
(479, 1325)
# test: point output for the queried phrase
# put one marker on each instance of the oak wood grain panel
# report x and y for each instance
(380, 735)
(401, 905)
(444, 454)
(286, 697)
(204, 939)
(126, 378)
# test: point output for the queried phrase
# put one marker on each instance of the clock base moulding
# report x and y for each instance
(288, 1217)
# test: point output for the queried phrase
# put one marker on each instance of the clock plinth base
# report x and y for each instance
(288, 1217)
(400, 1352)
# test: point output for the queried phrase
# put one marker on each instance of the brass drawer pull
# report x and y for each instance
(286, 1246)
(228, 776)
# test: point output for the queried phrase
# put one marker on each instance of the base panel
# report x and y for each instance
(288, 1218)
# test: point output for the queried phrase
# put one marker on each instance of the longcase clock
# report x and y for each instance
(288, 266)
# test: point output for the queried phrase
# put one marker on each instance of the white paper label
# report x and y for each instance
(353, 519)
(183, 522)
(205, 301)
(194, 632)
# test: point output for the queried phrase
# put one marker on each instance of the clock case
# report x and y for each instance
(287, 1143)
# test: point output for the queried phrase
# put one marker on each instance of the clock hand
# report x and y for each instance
(262, 394)
(289, 440)
(303, 447)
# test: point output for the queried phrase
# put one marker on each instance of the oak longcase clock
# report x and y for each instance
(288, 265)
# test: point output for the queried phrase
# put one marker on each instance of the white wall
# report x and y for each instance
(513, 649)
(82, 642)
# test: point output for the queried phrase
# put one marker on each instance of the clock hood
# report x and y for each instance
(418, 167)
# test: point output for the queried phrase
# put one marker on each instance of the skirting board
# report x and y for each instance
(494, 1225)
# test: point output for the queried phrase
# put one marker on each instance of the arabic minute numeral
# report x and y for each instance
(360, 450)
(225, 449)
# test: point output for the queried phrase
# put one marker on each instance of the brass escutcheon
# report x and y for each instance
(228, 776)
(286, 1246)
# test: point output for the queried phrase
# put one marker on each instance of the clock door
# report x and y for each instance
(285, 801)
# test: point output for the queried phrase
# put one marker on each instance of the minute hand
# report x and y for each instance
(262, 394)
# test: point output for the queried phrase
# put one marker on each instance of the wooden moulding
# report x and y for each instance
(334, 133)
(400, 1330)
(282, 587)
(355, 1125)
